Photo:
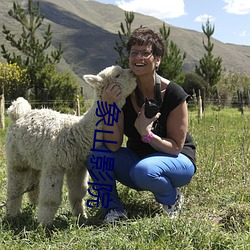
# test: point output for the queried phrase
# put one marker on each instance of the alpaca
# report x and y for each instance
(42, 145)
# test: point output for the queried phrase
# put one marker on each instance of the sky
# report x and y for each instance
(231, 18)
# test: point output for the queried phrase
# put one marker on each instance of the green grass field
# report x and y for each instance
(215, 215)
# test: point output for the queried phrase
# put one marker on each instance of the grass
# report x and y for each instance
(216, 213)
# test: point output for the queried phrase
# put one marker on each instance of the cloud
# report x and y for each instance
(243, 33)
(203, 18)
(161, 9)
(240, 7)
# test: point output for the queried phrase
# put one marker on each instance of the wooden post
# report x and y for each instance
(2, 109)
(45, 97)
(219, 100)
(241, 103)
(203, 94)
(199, 105)
(78, 113)
(195, 98)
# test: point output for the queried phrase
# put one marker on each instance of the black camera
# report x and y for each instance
(151, 108)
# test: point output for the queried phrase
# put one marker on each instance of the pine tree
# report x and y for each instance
(124, 35)
(172, 61)
(31, 49)
(209, 67)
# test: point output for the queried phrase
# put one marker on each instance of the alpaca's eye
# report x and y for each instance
(117, 76)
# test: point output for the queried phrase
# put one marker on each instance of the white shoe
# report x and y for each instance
(172, 211)
(114, 215)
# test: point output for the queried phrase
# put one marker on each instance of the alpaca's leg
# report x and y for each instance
(16, 185)
(77, 181)
(50, 195)
(34, 186)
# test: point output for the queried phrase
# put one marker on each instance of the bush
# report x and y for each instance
(193, 83)
(59, 89)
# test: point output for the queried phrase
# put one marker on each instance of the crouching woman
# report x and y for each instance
(160, 154)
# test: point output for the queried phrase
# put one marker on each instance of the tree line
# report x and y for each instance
(207, 76)
(31, 69)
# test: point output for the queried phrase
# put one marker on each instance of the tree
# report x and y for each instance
(124, 35)
(12, 83)
(209, 67)
(60, 87)
(31, 50)
(13, 80)
(172, 61)
(232, 83)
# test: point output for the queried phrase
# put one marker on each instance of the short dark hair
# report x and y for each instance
(146, 36)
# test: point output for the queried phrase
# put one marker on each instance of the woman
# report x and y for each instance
(160, 154)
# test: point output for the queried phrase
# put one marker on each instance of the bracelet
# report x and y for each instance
(147, 139)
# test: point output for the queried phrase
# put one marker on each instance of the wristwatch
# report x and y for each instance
(147, 138)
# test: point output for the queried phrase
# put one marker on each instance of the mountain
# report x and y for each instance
(88, 30)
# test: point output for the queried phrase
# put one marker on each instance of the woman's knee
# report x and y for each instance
(141, 174)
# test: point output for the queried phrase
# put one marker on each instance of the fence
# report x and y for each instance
(240, 102)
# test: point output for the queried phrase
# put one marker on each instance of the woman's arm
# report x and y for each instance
(176, 127)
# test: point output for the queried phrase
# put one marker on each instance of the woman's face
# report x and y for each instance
(142, 60)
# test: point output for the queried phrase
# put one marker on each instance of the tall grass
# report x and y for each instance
(216, 213)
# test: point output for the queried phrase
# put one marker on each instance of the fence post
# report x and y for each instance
(2, 108)
(199, 105)
(203, 98)
(45, 97)
(195, 98)
(78, 113)
(219, 99)
(241, 103)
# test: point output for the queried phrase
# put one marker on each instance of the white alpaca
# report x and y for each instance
(42, 145)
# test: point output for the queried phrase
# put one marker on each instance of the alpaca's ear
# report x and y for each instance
(93, 80)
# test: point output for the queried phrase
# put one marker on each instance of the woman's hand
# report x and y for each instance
(144, 124)
(111, 93)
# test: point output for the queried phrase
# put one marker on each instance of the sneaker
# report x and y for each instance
(172, 211)
(114, 215)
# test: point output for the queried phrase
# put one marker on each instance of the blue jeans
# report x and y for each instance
(158, 173)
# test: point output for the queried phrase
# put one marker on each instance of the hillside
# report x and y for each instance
(88, 31)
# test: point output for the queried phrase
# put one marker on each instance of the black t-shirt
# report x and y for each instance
(174, 95)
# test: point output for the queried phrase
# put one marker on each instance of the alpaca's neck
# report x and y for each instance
(90, 123)
(84, 130)
(90, 118)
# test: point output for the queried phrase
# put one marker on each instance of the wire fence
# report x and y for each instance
(193, 102)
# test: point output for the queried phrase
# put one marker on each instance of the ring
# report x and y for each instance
(138, 114)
